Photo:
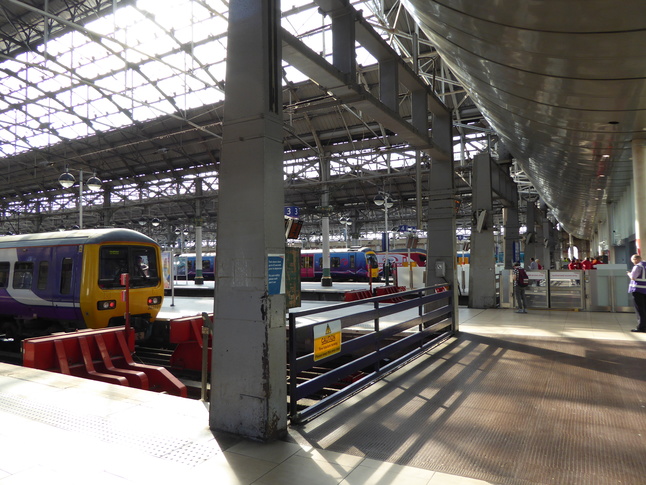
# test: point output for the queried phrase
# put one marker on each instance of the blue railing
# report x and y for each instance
(369, 350)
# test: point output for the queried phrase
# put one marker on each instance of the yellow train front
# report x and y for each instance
(67, 280)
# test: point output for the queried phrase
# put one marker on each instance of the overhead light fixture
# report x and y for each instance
(66, 179)
(94, 183)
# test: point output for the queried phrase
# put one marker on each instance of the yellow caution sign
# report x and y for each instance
(327, 339)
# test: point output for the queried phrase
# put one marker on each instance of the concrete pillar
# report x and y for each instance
(639, 177)
(512, 236)
(199, 277)
(482, 274)
(441, 246)
(326, 279)
(530, 235)
(248, 394)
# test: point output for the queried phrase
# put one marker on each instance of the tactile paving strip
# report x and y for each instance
(513, 410)
(167, 447)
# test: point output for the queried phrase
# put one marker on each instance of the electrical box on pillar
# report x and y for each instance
(482, 221)
(440, 269)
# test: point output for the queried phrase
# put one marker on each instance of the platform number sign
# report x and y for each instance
(292, 211)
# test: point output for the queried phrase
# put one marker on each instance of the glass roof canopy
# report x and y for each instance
(149, 59)
(145, 60)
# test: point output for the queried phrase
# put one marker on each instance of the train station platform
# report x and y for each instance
(548, 397)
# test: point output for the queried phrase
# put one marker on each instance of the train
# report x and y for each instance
(62, 281)
(358, 264)
(403, 257)
(185, 266)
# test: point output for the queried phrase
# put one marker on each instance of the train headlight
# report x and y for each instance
(154, 300)
(107, 305)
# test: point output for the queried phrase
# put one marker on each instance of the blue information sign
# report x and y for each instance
(276, 274)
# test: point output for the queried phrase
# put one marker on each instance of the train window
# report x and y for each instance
(4, 274)
(144, 271)
(139, 261)
(352, 265)
(113, 261)
(43, 273)
(66, 276)
(335, 262)
(23, 273)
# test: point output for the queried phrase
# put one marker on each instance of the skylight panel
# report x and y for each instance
(364, 58)
(60, 119)
(172, 14)
(54, 84)
(210, 96)
(13, 85)
(218, 71)
(180, 61)
(156, 70)
(144, 113)
(103, 106)
(163, 107)
(114, 120)
(74, 131)
(36, 111)
(212, 52)
(210, 26)
(293, 74)
(127, 16)
(146, 94)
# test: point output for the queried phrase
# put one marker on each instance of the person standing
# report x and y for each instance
(520, 282)
(587, 264)
(532, 264)
(637, 288)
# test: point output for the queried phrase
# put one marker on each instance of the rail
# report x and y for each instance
(360, 348)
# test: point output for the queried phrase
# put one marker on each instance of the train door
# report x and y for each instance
(64, 276)
(307, 266)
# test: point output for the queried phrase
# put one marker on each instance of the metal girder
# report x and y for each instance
(347, 91)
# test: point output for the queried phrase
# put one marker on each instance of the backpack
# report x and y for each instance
(523, 279)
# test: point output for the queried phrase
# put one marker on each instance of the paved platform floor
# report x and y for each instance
(422, 426)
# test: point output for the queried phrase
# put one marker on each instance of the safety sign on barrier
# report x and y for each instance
(327, 339)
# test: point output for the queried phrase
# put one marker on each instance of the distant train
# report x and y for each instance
(345, 264)
(185, 266)
(69, 280)
(403, 257)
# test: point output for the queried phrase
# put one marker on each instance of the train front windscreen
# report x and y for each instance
(139, 261)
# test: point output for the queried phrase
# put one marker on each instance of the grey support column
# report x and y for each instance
(441, 250)
(326, 278)
(512, 226)
(248, 394)
(482, 275)
(199, 277)
(530, 235)
(639, 178)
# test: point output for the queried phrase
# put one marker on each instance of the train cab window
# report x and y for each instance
(43, 273)
(138, 261)
(23, 273)
(4, 274)
(335, 262)
(144, 271)
(66, 276)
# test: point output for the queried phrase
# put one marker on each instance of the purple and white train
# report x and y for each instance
(69, 280)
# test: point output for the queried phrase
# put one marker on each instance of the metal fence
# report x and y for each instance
(334, 353)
